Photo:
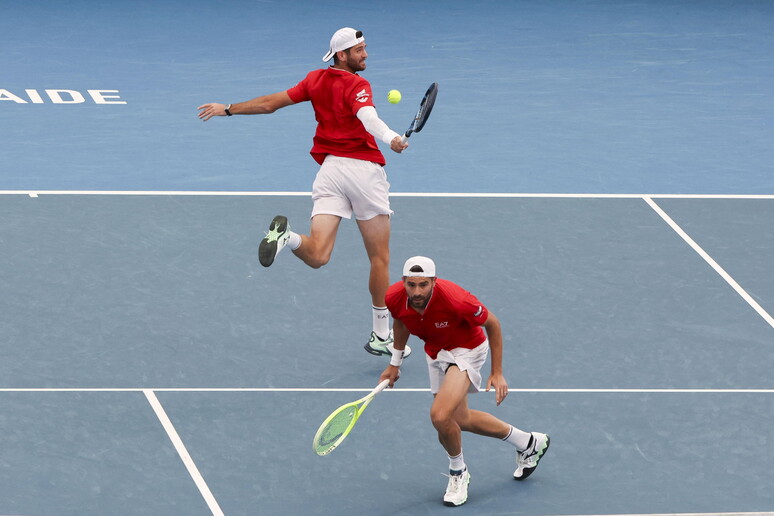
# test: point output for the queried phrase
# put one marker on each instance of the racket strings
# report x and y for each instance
(335, 429)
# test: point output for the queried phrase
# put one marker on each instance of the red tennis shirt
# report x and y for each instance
(336, 97)
(452, 318)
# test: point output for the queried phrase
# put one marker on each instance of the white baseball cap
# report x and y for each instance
(343, 39)
(426, 267)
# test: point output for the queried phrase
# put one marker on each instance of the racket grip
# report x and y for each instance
(404, 138)
(381, 386)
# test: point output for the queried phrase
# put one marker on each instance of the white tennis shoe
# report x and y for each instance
(457, 489)
(378, 346)
(527, 460)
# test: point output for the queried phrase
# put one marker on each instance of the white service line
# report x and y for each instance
(35, 193)
(470, 195)
(723, 274)
(634, 390)
(183, 452)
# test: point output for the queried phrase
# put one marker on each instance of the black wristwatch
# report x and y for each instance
(228, 110)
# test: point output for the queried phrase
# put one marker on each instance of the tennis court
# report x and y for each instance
(599, 175)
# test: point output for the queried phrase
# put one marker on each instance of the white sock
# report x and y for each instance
(518, 438)
(456, 463)
(381, 317)
(295, 241)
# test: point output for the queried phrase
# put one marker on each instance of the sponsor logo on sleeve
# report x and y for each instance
(362, 96)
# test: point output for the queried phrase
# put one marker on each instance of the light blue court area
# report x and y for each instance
(97, 453)
(626, 453)
(599, 174)
(737, 234)
(611, 454)
(621, 340)
(165, 291)
(561, 97)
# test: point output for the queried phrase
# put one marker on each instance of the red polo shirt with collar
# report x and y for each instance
(452, 318)
(336, 96)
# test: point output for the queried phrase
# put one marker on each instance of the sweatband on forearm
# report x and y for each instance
(375, 125)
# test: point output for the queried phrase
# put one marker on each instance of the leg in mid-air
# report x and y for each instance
(314, 250)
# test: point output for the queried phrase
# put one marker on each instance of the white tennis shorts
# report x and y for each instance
(344, 186)
(469, 360)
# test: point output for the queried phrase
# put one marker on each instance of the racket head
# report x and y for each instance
(340, 423)
(425, 108)
(335, 428)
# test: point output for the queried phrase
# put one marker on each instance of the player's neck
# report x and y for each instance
(343, 67)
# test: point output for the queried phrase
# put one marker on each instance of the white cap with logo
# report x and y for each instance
(423, 267)
(343, 39)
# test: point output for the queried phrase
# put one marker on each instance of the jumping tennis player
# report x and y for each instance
(449, 320)
(351, 178)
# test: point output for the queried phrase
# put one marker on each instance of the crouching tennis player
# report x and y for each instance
(449, 319)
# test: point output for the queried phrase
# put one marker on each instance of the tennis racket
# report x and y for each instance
(340, 423)
(425, 107)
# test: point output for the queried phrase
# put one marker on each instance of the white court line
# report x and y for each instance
(581, 195)
(368, 389)
(35, 193)
(183, 452)
(688, 514)
(723, 274)
(655, 514)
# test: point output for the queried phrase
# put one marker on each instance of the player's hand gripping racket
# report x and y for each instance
(340, 423)
(425, 107)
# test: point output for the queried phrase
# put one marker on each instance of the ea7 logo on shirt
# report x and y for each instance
(444, 324)
(362, 96)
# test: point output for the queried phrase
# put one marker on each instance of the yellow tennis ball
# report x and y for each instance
(393, 96)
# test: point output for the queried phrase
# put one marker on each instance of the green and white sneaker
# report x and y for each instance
(457, 488)
(527, 460)
(274, 241)
(377, 346)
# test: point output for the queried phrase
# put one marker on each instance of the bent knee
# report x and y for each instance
(440, 417)
(316, 263)
(317, 260)
(382, 261)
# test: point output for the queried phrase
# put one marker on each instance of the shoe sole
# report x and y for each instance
(375, 351)
(267, 251)
(379, 352)
(528, 471)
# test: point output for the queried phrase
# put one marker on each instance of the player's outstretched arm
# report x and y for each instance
(258, 106)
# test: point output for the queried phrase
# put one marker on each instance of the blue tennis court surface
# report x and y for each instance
(599, 174)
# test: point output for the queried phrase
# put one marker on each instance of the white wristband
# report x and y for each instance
(397, 357)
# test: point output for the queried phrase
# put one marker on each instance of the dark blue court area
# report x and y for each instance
(599, 174)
